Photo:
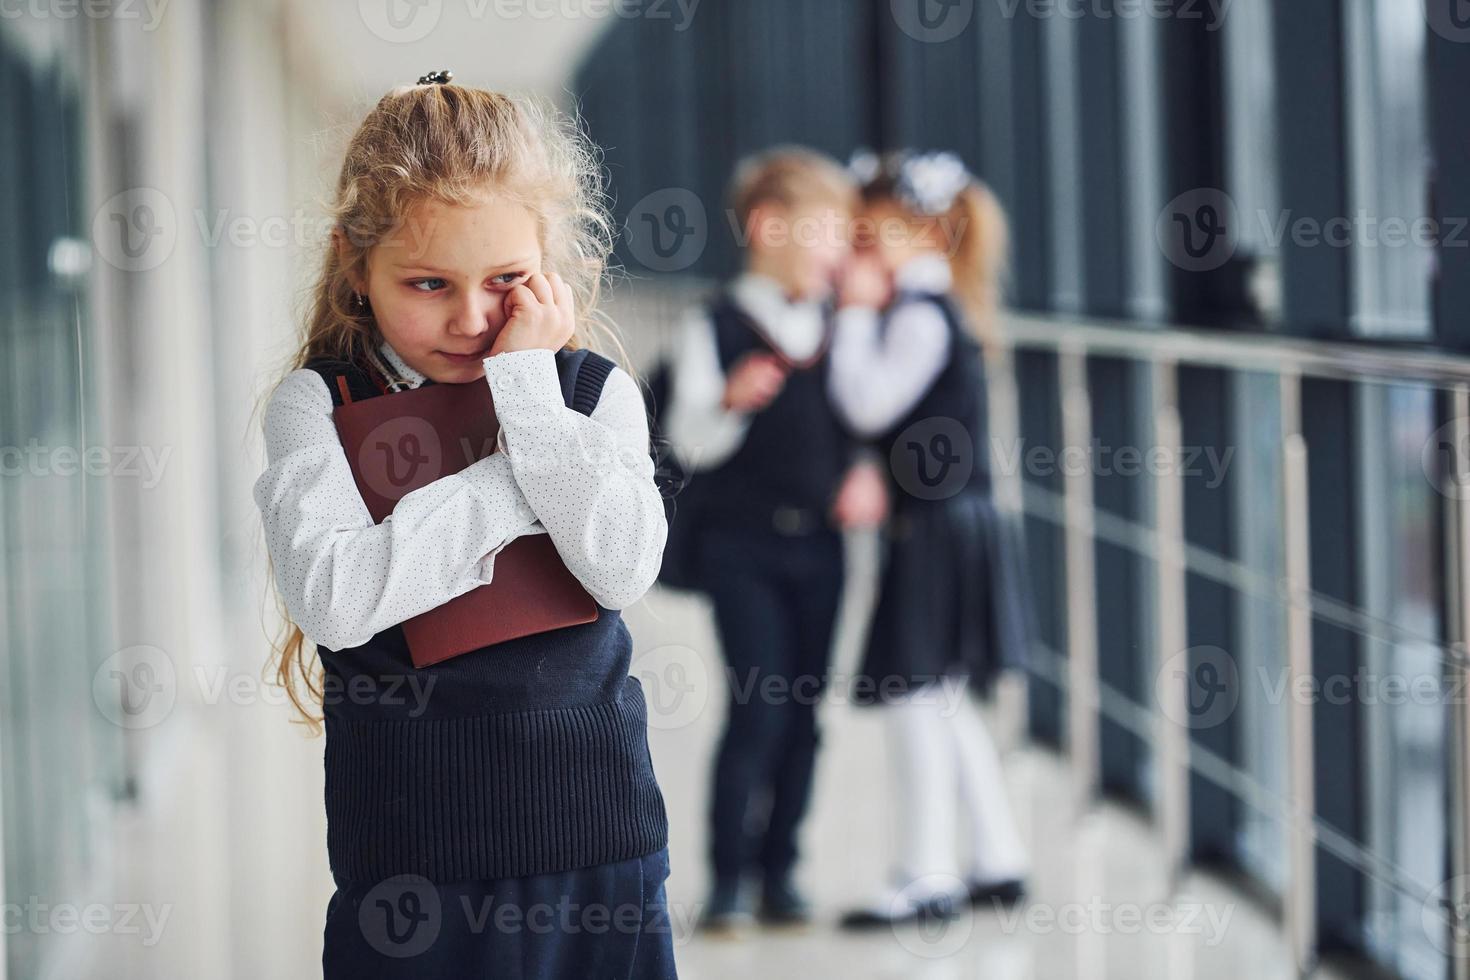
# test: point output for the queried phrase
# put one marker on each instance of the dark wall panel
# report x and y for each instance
(678, 109)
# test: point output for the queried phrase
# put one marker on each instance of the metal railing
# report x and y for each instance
(1162, 539)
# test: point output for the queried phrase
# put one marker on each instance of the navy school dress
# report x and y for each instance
(494, 815)
(953, 598)
(772, 564)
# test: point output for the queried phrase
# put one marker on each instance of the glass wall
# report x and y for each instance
(60, 758)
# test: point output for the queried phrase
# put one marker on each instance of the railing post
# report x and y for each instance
(1171, 735)
(1011, 696)
(1301, 888)
(1457, 600)
(1082, 679)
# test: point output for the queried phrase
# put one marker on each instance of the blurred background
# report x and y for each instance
(1233, 416)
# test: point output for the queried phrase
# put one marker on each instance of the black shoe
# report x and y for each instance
(782, 904)
(997, 894)
(724, 910)
(935, 908)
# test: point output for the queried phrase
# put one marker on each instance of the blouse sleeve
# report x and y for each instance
(588, 479)
(702, 431)
(345, 578)
(878, 376)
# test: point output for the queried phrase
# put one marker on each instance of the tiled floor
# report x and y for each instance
(230, 844)
(1099, 908)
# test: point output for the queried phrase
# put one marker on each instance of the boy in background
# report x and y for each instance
(751, 417)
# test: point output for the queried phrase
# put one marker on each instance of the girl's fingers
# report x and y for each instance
(542, 289)
(518, 297)
(566, 303)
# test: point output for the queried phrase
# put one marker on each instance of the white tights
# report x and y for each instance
(943, 760)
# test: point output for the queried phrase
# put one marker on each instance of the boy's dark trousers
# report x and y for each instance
(775, 598)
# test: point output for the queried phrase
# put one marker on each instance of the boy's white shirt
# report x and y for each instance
(878, 376)
(701, 431)
(585, 480)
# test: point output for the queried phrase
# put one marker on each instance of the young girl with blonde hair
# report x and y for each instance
(919, 313)
(470, 238)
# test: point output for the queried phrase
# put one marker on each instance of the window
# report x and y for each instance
(1261, 659)
(1250, 153)
(1389, 168)
(59, 755)
(1403, 699)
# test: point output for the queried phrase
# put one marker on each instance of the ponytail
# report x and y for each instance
(979, 259)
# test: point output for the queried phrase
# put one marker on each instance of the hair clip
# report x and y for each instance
(440, 77)
(865, 166)
(930, 182)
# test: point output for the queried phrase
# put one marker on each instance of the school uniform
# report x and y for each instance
(952, 608)
(769, 557)
(520, 770)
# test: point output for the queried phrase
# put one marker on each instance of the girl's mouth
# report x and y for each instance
(474, 358)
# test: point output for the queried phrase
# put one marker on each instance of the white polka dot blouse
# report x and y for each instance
(585, 480)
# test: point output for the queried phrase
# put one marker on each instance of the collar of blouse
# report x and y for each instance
(924, 274)
(795, 327)
(408, 374)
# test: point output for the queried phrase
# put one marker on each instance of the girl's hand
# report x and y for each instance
(754, 381)
(862, 501)
(540, 312)
(864, 283)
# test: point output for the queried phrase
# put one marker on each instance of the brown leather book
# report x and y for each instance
(401, 441)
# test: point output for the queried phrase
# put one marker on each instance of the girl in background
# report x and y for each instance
(952, 602)
(469, 244)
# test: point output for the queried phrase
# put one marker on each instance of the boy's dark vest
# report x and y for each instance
(784, 475)
(958, 393)
(523, 758)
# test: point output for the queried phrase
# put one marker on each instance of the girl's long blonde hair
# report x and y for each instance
(452, 144)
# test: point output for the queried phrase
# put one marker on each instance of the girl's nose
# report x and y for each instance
(478, 312)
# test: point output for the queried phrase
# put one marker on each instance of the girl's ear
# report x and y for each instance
(344, 258)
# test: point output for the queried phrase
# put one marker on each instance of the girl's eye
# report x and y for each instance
(508, 278)
(417, 283)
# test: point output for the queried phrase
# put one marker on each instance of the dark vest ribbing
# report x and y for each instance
(526, 757)
(957, 393)
(795, 450)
